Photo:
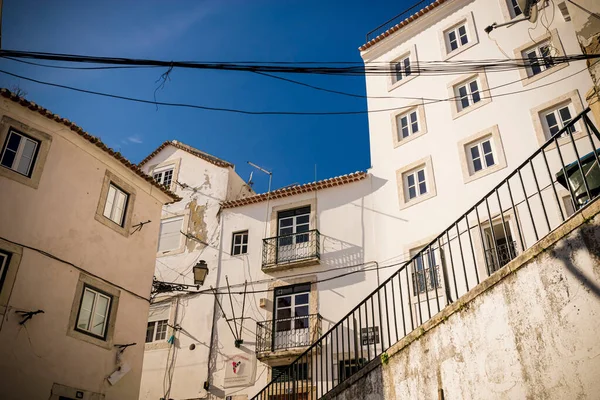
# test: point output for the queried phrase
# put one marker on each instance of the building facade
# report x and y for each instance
(78, 229)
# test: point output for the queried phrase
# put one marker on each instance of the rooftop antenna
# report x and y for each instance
(250, 182)
(268, 191)
(530, 13)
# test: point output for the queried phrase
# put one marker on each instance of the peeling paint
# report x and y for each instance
(197, 225)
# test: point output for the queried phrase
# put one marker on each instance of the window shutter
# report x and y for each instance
(170, 234)
(159, 312)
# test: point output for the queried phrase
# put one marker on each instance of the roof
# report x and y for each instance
(92, 139)
(402, 24)
(298, 189)
(198, 153)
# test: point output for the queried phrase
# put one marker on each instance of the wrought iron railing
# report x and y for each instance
(499, 256)
(427, 279)
(529, 201)
(287, 333)
(396, 20)
(291, 248)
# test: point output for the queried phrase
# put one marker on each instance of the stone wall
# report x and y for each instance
(529, 331)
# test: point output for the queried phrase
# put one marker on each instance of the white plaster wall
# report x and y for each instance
(397, 229)
(58, 217)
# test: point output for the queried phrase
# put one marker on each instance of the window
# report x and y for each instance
(515, 10)
(416, 183)
(348, 367)
(467, 94)
(557, 118)
(402, 69)
(116, 204)
(425, 276)
(456, 37)
(19, 153)
(164, 177)
(240, 243)
(170, 234)
(4, 261)
(287, 373)
(156, 331)
(94, 310)
(292, 316)
(538, 58)
(408, 124)
(482, 155)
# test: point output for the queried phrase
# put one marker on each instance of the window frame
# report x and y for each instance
(44, 140)
(468, 171)
(111, 178)
(538, 113)
(483, 91)
(11, 269)
(155, 331)
(241, 245)
(555, 111)
(402, 182)
(123, 213)
(182, 241)
(409, 54)
(4, 265)
(416, 107)
(162, 172)
(173, 164)
(468, 22)
(98, 292)
(553, 39)
(482, 154)
(539, 53)
(19, 152)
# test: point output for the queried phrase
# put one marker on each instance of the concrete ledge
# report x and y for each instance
(305, 262)
(374, 363)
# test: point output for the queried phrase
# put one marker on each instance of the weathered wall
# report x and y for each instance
(528, 331)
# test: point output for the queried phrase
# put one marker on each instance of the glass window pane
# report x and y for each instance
(405, 132)
(238, 239)
(565, 115)
(477, 165)
(13, 141)
(551, 120)
(411, 180)
(412, 193)
(244, 249)
(286, 222)
(284, 301)
(85, 310)
(415, 127)
(489, 160)
(301, 299)
(100, 314)
(303, 219)
(413, 116)
(284, 313)
(27, 154)
(407, 66)
(8, 158)
(422, 188)
(474, 152)
(487, 147)
(403, 121)
(150, 332)
(110, 199)
(421, 175)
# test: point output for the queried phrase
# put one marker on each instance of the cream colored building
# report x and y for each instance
(78, 234)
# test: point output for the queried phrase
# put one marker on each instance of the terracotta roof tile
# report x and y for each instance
(92, 139)
(401, 24)
(298, 189)
(198, 153)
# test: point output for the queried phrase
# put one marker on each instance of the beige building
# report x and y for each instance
(78, 234)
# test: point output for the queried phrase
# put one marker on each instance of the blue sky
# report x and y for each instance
(206, 30)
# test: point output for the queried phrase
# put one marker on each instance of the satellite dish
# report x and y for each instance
(529, 9)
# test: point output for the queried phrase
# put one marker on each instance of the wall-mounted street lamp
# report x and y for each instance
(200, 272)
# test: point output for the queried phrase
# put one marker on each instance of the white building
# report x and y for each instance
(310, 253)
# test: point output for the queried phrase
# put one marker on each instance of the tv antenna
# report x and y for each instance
(268, 190)
(530, 13)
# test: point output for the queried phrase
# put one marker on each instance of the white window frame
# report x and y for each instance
(551, 39)
(241, 245)
(97, 294)
(158, 336)
(19, 156)
(556, 112)
(160, 175)
(456, 30)
(467, 20)
(418, 180)
(396, 120)
(469, 94)
(403, 184)
(540, 124)
(513, 7)
(412, 119)
(405, 69)
(538, 51)
(111, 209)
(400, 57)
(482, 154)
(492, 135)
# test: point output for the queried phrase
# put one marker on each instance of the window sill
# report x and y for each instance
(397, 84)
(410, 138)
(527, 80)
(156, 346)
(484, 172)
(457, 114)
(406, 204)
(459, 50)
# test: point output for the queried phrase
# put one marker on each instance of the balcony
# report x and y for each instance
(426, 280)
(497, 257)
(286, 337)
(293, 250)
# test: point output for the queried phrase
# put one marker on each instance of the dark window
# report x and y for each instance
(19, 153)
(239, 244)
(349, 367)
(4, 261)
(286, 373)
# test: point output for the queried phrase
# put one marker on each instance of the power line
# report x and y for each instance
(249, 112)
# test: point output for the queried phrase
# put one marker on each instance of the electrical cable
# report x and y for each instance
(248, 112)
(45, 253)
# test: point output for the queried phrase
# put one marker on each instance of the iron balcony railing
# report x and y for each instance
(497, 257)
(291, 248)
(427, 279)
(287, 333)
(527, 204)
(395, 20)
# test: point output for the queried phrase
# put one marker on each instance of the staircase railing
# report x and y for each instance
(529, 202)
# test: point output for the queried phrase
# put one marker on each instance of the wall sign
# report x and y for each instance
(240, 370)
(369, 335)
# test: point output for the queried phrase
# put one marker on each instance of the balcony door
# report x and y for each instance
(293, 237)
(500, 247)
(291, 317)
